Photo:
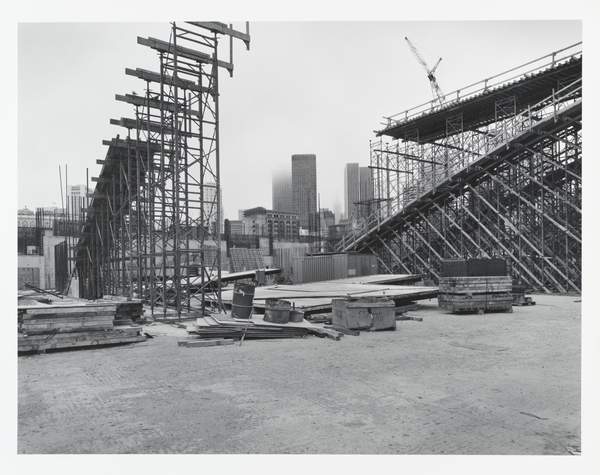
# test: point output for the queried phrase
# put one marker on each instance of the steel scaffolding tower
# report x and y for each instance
(495, 170)
(153, 226)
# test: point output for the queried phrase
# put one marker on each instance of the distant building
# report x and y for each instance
(358, 191)
(351, 190)
(366, 194)
(304, 189)
(76, 200)
(283, 199)
(25, 218)
(337, 231)
(236, 226)
(327, 219)
(263, 222)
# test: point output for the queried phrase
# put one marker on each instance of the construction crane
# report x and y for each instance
(435, 87)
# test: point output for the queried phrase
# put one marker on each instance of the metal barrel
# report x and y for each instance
(243, 295)
(277, 311)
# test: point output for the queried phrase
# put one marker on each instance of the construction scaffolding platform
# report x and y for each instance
(152, 228)
(493, 171)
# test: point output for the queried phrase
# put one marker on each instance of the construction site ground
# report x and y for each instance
(503, 383)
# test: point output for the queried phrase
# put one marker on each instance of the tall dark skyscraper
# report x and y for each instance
(351, 189)
(304, 189)
(283, 199)
(358, 187)
(366, 192)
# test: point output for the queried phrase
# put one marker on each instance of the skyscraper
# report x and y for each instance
(282, 192)
(351, 190)
(366, 192)
(304, 189)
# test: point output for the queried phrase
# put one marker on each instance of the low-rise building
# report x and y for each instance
(236, 226)
(25, 218)
(260, 221)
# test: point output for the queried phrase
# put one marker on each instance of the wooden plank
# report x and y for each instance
(63, 344)
(68, 315)
(206, 342)
(36, 309)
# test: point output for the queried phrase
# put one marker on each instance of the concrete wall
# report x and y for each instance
(49, 268)
(25, 263)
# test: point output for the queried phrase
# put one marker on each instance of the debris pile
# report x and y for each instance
(224, 326)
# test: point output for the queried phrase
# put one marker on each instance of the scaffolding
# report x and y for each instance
(152, 229)
(495, 170)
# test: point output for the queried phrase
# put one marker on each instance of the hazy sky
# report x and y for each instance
(302, 88)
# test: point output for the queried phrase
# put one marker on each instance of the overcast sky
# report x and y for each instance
(302, 88)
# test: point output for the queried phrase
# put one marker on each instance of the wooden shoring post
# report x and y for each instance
(442, 237)
(138, 205)
(151, 211)
(543, 215)
(415, 255)
(176, 157)
(525, 239)
(162, 184)
(381, 261)
(217, 175)
(393, 254)
(188, 222)
(122, 227)
(461, 229)
(508, 252)
(130, 239)
(202, 100)
(423, 240)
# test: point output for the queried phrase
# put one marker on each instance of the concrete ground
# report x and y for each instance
(452, 384)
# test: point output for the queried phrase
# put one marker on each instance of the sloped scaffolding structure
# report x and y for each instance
(494, 171)
(152, 229)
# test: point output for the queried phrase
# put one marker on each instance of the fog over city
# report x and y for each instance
(303, 88)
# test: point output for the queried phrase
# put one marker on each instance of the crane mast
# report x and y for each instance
(435, 87)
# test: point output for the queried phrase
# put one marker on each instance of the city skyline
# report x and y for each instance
(293, 115)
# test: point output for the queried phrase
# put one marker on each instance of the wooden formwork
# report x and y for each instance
(476, 294)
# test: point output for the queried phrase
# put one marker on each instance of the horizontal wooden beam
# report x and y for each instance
(166, 47)
(166, 79)
(223, 29)
(408, 156)
(151, 126)
(389, 169)
(154, 103)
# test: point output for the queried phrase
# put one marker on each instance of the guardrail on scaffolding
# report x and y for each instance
(534, 66)
(454, 161)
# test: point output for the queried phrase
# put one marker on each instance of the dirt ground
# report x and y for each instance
(451, 384)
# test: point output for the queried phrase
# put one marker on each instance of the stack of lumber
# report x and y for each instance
(69, 324)
(223, 326)
(128, 310)
(476, 294)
